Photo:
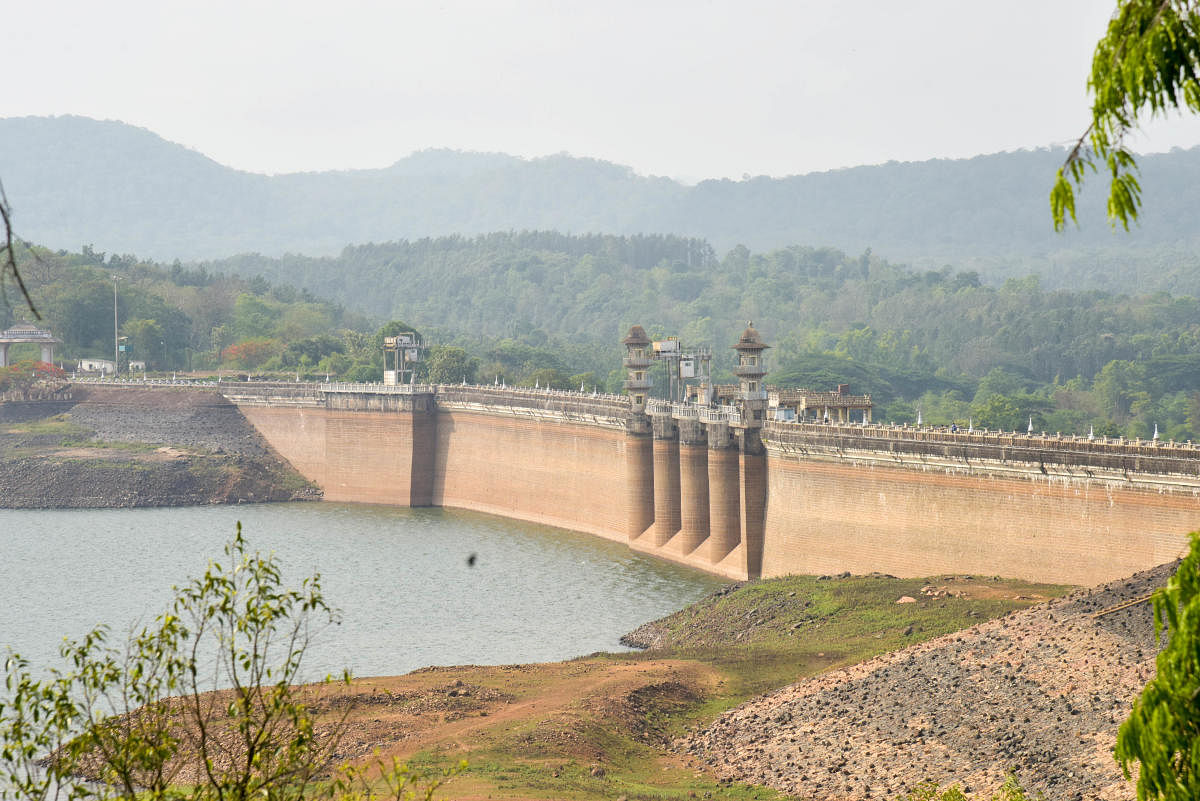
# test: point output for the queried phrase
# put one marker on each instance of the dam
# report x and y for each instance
(723, 487)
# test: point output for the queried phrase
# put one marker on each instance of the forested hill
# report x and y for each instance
(75, 181)
(548, 309)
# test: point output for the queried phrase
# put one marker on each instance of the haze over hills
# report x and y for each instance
(75, 181)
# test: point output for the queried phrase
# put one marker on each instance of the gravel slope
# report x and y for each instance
(139, 447)
(1040, 692)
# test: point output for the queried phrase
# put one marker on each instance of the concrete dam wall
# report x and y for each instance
(741, 498)
(915, 503)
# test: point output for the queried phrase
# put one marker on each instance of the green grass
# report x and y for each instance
(59, 425)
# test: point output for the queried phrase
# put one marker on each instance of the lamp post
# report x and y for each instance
(116, 349)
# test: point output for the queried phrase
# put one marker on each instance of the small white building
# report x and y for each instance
(103, 366)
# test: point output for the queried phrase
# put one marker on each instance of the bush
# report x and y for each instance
(1163, 730)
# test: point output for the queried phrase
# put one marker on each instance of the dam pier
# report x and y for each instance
(744, 481)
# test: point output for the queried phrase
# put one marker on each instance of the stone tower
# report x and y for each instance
(637, 366)
(750, 370)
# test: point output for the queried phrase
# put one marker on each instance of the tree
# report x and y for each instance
(451, 365)
(253, 318)
(1163, 731)
(147, 342)
(1118, 387)
(250, 353)
(1146, 65)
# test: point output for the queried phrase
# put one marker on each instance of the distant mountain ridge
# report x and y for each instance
(75, 181)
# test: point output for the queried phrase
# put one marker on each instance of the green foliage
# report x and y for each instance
(1163, 730)
(146, 340)
(1145, 66)
(171, 317)
(451, 365)
(544, 308)
(125, 720)
(253, 318)
(389, 781)
(1010, 791)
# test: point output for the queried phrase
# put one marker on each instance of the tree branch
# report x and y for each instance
(10, 254)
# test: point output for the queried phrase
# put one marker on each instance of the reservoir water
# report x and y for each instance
(400, 577)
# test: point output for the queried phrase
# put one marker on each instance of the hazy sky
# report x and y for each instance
(688, 89)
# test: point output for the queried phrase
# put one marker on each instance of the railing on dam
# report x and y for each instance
(186, 383)
(379, 389)
(1154, 456)
(729, 415)
(585, 406)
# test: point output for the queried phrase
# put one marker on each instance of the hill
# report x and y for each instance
(76, 181)
(1039, 693)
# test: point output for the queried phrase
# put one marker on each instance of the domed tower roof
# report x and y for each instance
(636, 336)
(750, 340)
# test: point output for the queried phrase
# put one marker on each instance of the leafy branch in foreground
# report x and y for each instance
(1145, 65)
(1163, 731)
(146, 720)
(394, 781)
(8, 258)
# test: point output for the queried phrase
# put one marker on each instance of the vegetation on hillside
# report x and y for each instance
(939, 342)
(545, 309)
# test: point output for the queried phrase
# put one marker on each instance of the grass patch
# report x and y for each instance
(59, 425)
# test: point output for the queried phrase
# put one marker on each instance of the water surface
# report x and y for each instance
(399, 576)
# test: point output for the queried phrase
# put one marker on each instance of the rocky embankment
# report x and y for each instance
(128, 446)
(1039, 693)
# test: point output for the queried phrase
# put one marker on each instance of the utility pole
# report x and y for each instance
(116, 348)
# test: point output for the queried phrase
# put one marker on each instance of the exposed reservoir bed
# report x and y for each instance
(400, 577)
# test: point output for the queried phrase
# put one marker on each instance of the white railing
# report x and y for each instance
(146, 382)
(655, 406)
(538, 391)
(982, 436)
(685, 411)
(731, 415)
(721, 414)
(378, 389)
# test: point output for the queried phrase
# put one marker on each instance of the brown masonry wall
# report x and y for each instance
(917, 511)
(382, 454)
(543, 470)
